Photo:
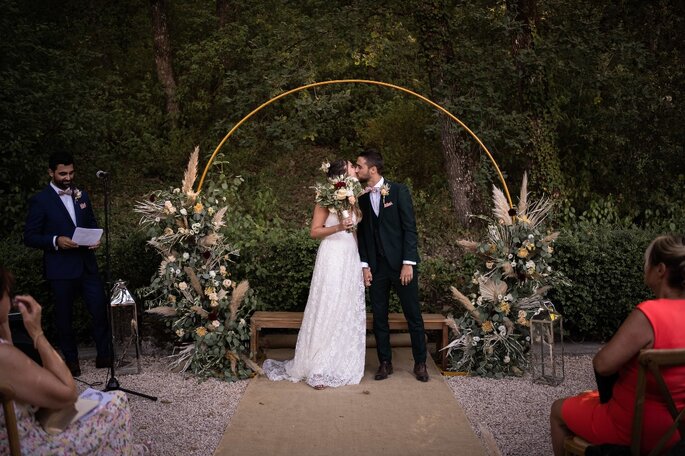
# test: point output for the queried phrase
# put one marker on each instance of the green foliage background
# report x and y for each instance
(592, 109)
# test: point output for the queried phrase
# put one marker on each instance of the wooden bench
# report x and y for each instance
(293, 320)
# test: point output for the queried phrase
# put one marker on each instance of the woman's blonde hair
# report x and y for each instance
(670, 250)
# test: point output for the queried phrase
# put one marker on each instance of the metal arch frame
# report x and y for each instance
(357, 81)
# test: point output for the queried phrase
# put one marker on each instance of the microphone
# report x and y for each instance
(102, 174)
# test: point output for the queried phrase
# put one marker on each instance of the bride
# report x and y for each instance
(331, 344)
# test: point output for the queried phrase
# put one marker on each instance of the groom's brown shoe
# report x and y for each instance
(421, 372)
(384, 370)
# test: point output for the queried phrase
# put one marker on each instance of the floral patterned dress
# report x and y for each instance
(106, 432)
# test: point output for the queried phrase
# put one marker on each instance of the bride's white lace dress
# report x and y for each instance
(331, 344)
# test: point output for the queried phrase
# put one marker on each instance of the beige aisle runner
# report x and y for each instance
(397, 416)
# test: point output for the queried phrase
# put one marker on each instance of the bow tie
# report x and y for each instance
(373, 189)
(65, 192)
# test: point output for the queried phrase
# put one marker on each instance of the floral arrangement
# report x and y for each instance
(206, 308)
(385, 191)
(493, 336)
(338, 194)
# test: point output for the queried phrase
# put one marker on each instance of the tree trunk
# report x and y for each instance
(459, 165)
(163, 60)
(438, 53)
(226, 12)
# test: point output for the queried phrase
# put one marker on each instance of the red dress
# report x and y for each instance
(612, 422)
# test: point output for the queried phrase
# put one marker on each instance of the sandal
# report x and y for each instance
(319, 387)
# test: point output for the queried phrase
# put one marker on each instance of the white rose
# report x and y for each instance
(216, 323)
(183, 211)
(186, 256)
(340, 194)
(506, 359)
(177, 190)
(182, 286)
(212, 274)
(226, 283)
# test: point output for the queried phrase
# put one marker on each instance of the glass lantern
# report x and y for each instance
(125, 339)
(547, 345)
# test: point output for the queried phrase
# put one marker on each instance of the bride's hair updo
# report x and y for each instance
(338, 168)
(669, 250)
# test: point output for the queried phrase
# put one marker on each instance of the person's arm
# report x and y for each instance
(632, 336)
(318, 229)
(50, 386)
(33, 228)
(405, 208)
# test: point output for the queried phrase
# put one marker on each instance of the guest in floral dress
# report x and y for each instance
(105, 432)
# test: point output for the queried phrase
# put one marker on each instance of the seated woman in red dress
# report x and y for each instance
(656, 323)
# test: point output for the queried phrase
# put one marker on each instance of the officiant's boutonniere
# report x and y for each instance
(385, 191)
(77, 193)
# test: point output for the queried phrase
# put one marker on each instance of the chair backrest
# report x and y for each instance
(7, 397)
(653, 360)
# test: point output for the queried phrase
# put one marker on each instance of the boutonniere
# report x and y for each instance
(385, 191)
(82, 205)
(77, 194)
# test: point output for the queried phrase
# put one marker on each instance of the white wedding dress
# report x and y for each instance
(331, 344)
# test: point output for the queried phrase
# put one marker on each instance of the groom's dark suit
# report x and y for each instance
(68, 271)
(385, 241)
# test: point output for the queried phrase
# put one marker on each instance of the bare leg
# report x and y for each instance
(558, 429)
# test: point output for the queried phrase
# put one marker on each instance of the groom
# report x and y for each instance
(388, 251)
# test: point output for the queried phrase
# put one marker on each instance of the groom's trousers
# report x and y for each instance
(383, 279)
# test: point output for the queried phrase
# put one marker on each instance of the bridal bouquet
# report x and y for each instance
(339, 194)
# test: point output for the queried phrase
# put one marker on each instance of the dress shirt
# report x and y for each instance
(68, 202)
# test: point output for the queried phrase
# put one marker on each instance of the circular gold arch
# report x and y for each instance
(357, 81)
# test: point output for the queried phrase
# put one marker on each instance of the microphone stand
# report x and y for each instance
(112, 383)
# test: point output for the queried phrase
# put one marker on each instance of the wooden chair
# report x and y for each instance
(652, 360)
(7, 397)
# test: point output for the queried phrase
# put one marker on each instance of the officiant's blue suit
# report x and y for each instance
(70, 271)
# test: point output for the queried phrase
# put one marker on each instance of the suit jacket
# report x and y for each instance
(47, 217)
(396, 226)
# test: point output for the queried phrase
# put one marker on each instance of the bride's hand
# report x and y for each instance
(348, 223)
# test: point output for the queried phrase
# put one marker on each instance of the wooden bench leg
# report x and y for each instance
(445, 341)
(254, 343)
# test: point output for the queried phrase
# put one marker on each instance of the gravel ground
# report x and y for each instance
(190, 416)
(515, 410)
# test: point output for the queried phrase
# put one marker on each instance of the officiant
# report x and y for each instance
(70, 269)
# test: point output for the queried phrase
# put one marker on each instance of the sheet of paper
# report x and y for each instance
(87, 236)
